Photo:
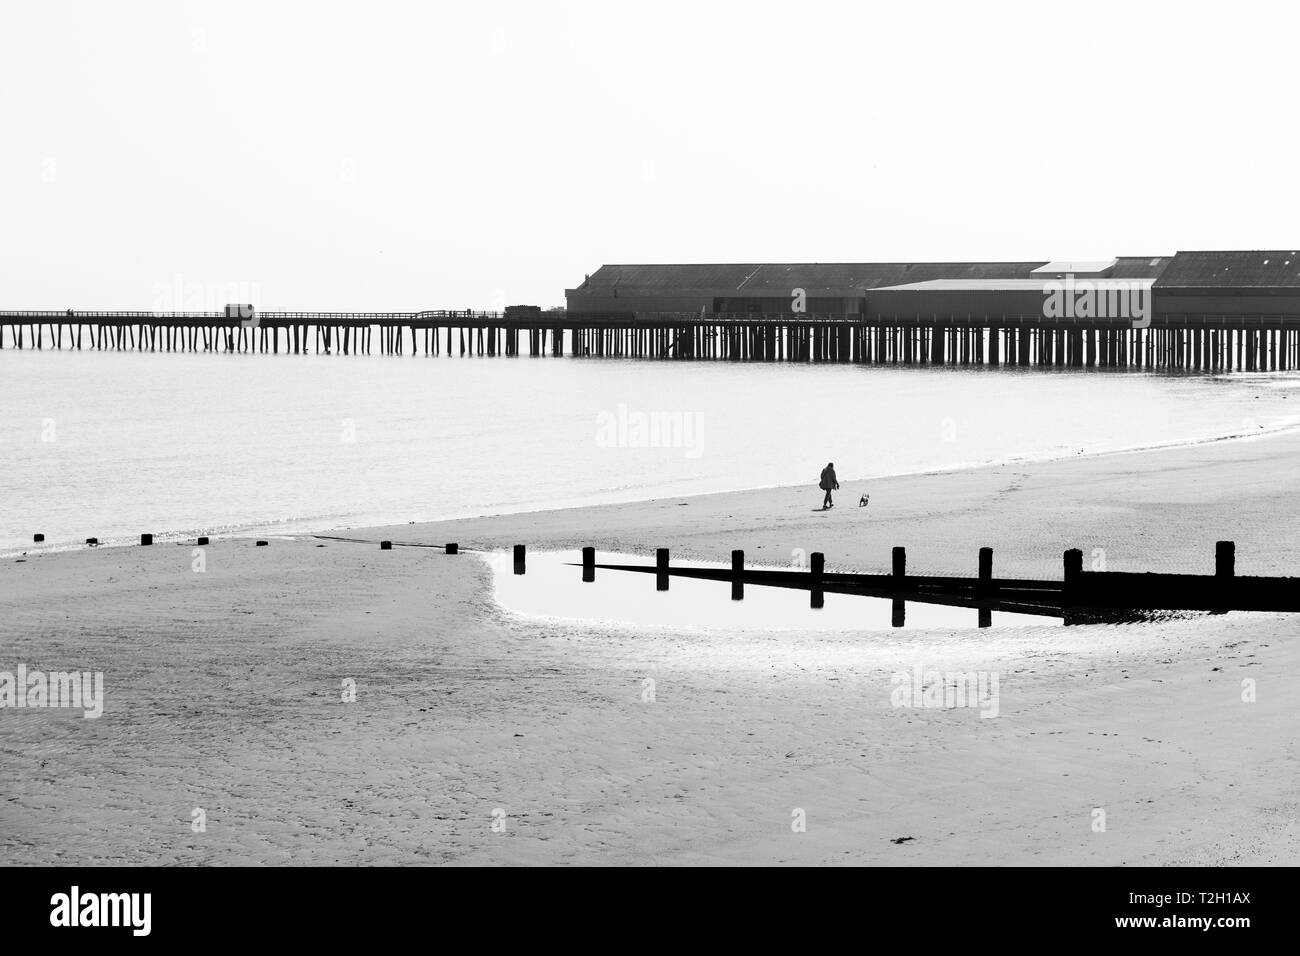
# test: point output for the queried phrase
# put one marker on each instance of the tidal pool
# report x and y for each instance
(552, 586)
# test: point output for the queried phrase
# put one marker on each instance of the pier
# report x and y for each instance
(1189, 342)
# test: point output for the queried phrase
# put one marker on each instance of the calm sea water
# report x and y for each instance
(177, 444)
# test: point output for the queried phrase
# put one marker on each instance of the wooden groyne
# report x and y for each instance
(1180, 342)
(1080, 597)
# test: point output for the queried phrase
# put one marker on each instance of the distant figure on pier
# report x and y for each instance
(829, 484)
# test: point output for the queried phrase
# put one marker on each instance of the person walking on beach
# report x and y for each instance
(829, 484)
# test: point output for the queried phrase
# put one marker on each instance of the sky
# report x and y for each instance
(394, 156)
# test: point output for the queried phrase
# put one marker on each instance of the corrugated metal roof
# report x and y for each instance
(1139, 267)
(1005, 285)
(1232, 270)
(825, 279)
(1078, 266)
(777, 279)
(658, 278)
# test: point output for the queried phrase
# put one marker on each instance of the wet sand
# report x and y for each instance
(224, 691)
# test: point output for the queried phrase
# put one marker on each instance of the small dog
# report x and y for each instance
(864, 501)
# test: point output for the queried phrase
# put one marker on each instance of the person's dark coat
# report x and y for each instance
(828, 482)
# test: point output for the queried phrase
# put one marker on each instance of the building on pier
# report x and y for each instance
(983, 301)
(1214, 286)
(757, 288)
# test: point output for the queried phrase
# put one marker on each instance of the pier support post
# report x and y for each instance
(588, 565)
(737, 568)
(520, 558)
(452, 548)
(661, 569)
(146, 539)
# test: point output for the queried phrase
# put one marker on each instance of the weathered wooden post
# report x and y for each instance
(262, 544)
(201, 541)
(661, 569)
(1225, 567)
(146, 539)
(38, 538)
(93, 542)
(737, 568)
(1225, 559)
(985, 585)
(520, 558)
(385, 546)
(900, 572)
(588, 565)
(817, 571)
(1070, 586)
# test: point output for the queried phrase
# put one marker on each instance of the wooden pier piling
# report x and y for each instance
(737, 568)
(661, 566)
(1199, 342)
(588, 565)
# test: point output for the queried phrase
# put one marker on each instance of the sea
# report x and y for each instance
(110, 445)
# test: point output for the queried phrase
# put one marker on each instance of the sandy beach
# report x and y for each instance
(479, 736)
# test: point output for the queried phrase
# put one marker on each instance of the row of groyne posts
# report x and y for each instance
(1193, 342)
(1080, 596)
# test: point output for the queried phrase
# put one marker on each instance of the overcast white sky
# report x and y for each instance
(390, 155)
